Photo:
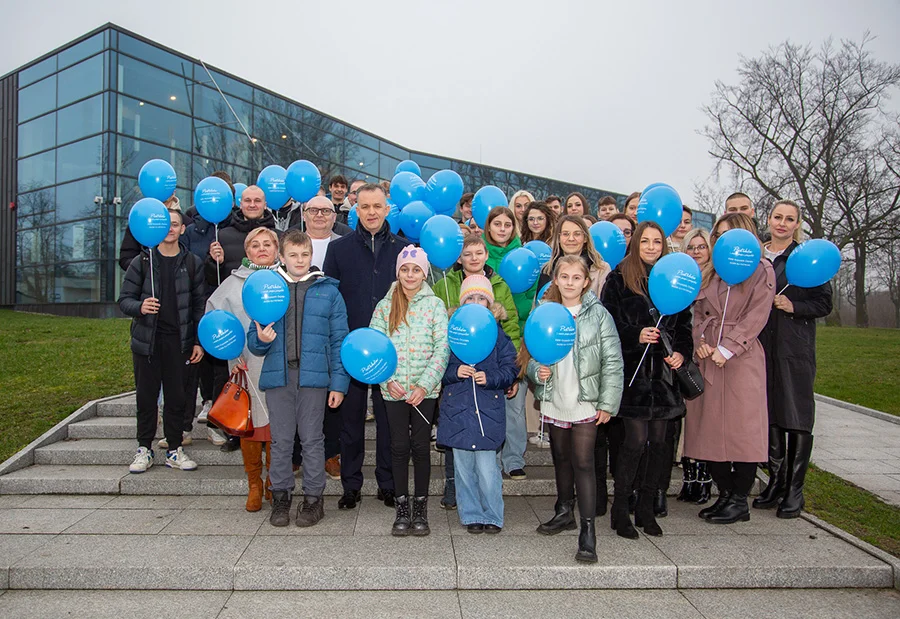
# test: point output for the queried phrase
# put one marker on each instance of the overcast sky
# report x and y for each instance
(605, 94)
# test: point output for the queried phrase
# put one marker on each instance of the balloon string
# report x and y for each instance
(446, 288)
(783, 289)
(406, 395)
(477, 412)
(218, 276)
(152, 286)
(646, 348)
(724, 311)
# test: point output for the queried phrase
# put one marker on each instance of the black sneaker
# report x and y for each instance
(475, 528)
(518, 474)
(310, 511)
(350, 499)
(281, 508)
(387, 496)
(492, 529)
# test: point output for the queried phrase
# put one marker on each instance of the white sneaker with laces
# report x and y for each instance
(143, 460)
(177, 459)
(215, 436)
(186, 439)
(204, 411)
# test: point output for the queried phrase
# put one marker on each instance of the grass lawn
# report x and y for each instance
(853, 509)
(861, 366)
(53, 365)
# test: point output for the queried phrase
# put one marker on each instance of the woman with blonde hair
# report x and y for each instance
(571, 237)
(518, 203)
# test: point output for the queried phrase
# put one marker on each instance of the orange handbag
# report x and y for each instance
(231, 411)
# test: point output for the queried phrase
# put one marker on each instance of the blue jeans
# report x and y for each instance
(479, 487)
(513, 453)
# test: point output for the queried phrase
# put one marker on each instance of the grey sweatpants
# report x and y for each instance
(297, 410)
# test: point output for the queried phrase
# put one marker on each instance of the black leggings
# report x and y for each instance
(410, 434)
(573, 463)
(739, 480)
(639, 431)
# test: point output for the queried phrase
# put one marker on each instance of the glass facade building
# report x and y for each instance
(88, 116)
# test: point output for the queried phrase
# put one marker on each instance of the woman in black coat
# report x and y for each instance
(789, 340)
(653, 397)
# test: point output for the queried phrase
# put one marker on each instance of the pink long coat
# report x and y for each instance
(729, 422)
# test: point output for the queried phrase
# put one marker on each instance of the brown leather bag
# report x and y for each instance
(231, 411)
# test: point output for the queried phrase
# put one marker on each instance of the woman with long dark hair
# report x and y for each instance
(539, 223)
(651, 396)
(789, 340)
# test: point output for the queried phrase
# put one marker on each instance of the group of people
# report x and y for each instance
(613, 403)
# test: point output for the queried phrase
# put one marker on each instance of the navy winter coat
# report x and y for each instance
(199, 235)
(322, 331)
(458, 424)
(365, 265)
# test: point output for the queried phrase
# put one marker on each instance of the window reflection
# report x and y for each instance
(132, 154)
(81, 50)
(79, 159)
(37, 98)
(149, 84)
(35, 72)
(80, 120)
(209, 105)
(77, 283)
(38, 134)
(220, 143)
(37, 171)
(144, 120)
(76, 200)
(78, 241)
(80, 81)
(35, 284)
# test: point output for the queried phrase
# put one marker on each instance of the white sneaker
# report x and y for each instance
(543, 444)
(186, 439)
(534, 439)
(215, 436)
(143, 460)
(179, 460)
(204, 411)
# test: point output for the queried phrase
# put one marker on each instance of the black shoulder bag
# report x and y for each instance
(690, 380)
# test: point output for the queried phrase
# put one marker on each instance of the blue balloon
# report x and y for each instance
(472, 332)
(393, 217)
(485, 199)
(653, 185)
(519, 269)
(408, 165)
(238, 192)
(407, 187)
(444, 190)
(149, 221)
(442, 240)
(543, 291)
(549, 333)
(812, 263)
(540, 250)
(663, 205)
(157, 180)
(610, 242)
(213, 199)
(272, 181)
(368, 356)
(413, 217)
(303, 180)
(265, 296)
(736, 255)
(674, 283)
(221, 335)
(353, 217)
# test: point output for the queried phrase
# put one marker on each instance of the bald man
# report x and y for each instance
(226, 254)
(318, 219)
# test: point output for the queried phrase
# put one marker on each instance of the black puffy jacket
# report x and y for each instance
(231, 238)
(190, 290)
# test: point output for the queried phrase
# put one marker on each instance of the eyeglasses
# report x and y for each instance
(319, 211)
(409, 253)
(537, 220)
(578, 234)
(693, 248)
(627, 232)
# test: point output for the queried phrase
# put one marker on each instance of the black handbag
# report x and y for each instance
(690, 380)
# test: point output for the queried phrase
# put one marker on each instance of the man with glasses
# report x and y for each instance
(319, 224)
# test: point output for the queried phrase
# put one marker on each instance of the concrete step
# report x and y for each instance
(127, 543)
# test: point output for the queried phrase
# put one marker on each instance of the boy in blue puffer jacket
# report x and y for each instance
(479, 483)
(301, 372)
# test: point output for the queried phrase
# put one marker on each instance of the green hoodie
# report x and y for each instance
(523, 300)
(447, 290)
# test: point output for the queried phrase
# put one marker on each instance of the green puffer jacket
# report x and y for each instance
(524, 300)
(598, 359)
(448, 289)
(422, 347)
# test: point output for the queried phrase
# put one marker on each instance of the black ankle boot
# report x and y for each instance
(620, 521)
(564, 520)
(281, 508)
(660, 503)
(688, 480)
(402, 523)
(420, 516)
(724, 497)
(774, 491)
(799, 450)
(703, 487)
(587, 542)
(735, 510)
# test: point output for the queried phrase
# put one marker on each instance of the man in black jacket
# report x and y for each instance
(166, 304)
(364, 263)
(228, 252)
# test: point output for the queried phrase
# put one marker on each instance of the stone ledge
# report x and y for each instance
(858, 408)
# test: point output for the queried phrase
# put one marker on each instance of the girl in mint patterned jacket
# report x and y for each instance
(416, 321)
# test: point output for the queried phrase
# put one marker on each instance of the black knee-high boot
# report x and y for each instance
(774, 491)
(799, 450)
(644, 515)
(626, 469)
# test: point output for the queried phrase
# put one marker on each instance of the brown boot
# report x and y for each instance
(252, 453)
(268, 486)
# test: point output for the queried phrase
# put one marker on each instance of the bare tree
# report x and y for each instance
(807, 125)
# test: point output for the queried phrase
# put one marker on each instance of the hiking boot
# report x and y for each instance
(420, 516)
(281, 508)
(310, 511)
(402, 522)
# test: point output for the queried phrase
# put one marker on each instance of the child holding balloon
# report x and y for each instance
(416, 322)
(473, 411)
(578, 393)
(166, 303)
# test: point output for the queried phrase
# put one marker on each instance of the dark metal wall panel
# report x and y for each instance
(8, 183)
